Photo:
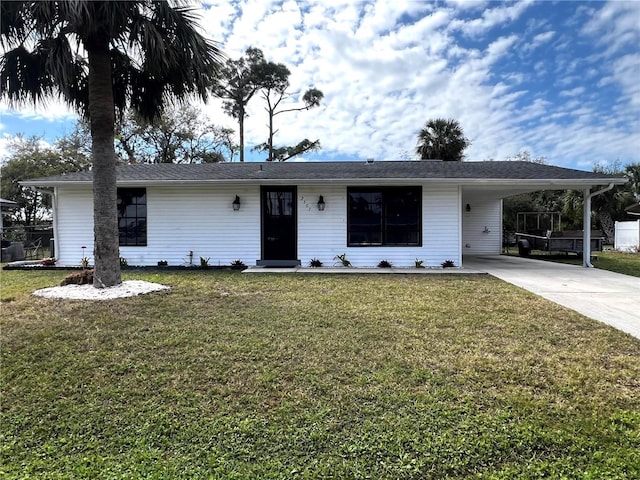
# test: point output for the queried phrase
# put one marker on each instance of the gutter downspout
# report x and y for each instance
(54, 212)
(586, 222)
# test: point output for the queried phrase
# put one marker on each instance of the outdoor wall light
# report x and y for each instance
(321, 203)
(468, 208)
(236, 203)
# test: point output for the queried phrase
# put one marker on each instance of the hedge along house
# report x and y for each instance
(284, 214)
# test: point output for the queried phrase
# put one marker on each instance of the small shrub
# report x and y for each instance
(238, 265)
(204, 262)
(162, 263)
(123, 262)
(84, 262)
(448, 264)
(315, 263)
(418, 263)
(343, 260)
(384, 264)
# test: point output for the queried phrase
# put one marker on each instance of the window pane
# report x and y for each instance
(279, 204)
(130, 211)
(132, 216)
(384, 216)
(403, 216)
(365, 218)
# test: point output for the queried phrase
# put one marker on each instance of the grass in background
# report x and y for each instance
(317, 376)
(620, 262)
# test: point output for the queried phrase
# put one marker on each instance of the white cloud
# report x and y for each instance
(42, 116)
(626, 71)
(51, 110)
(491, 17)
(574, 92)
(468, 4)
(615, 26)
(540, 39)
(218, 16)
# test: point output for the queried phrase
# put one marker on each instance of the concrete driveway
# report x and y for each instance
(605, 296)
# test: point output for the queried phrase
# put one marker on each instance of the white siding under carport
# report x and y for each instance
(482, 226)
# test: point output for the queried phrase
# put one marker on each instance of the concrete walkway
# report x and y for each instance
(608, 297)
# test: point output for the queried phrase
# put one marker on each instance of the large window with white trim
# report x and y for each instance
(132, 217)
(381, 216)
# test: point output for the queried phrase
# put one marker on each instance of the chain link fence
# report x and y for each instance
(27, 243)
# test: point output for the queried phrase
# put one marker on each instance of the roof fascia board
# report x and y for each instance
(66, 183)
(556, 182)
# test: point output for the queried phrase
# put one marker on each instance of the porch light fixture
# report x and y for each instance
(236, 204)
(321, 203)
(468, 208)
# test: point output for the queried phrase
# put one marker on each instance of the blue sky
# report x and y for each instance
(556, 79)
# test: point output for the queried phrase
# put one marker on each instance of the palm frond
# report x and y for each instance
(156, 50)
(13, 24)
(442, 139)
(24, 76)
(44, 16)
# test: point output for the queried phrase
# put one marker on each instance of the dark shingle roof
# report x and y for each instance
(266, 172)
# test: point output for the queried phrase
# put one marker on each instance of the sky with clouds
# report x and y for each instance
(557, 79)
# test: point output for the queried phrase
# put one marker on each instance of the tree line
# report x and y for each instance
(179, 135)
(607, 208)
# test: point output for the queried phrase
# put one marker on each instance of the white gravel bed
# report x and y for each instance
(130, 288)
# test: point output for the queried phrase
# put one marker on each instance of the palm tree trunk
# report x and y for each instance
(608, 225)
(102, 118)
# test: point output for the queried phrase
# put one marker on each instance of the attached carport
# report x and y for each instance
(608, 297)
(481, 200)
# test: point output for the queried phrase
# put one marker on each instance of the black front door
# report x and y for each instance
(279, 223)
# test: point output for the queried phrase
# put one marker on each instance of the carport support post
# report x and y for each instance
(586, 232)
(586, 224)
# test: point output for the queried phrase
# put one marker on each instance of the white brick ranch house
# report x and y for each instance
(288, 213)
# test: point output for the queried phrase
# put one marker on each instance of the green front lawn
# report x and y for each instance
(236, 376)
